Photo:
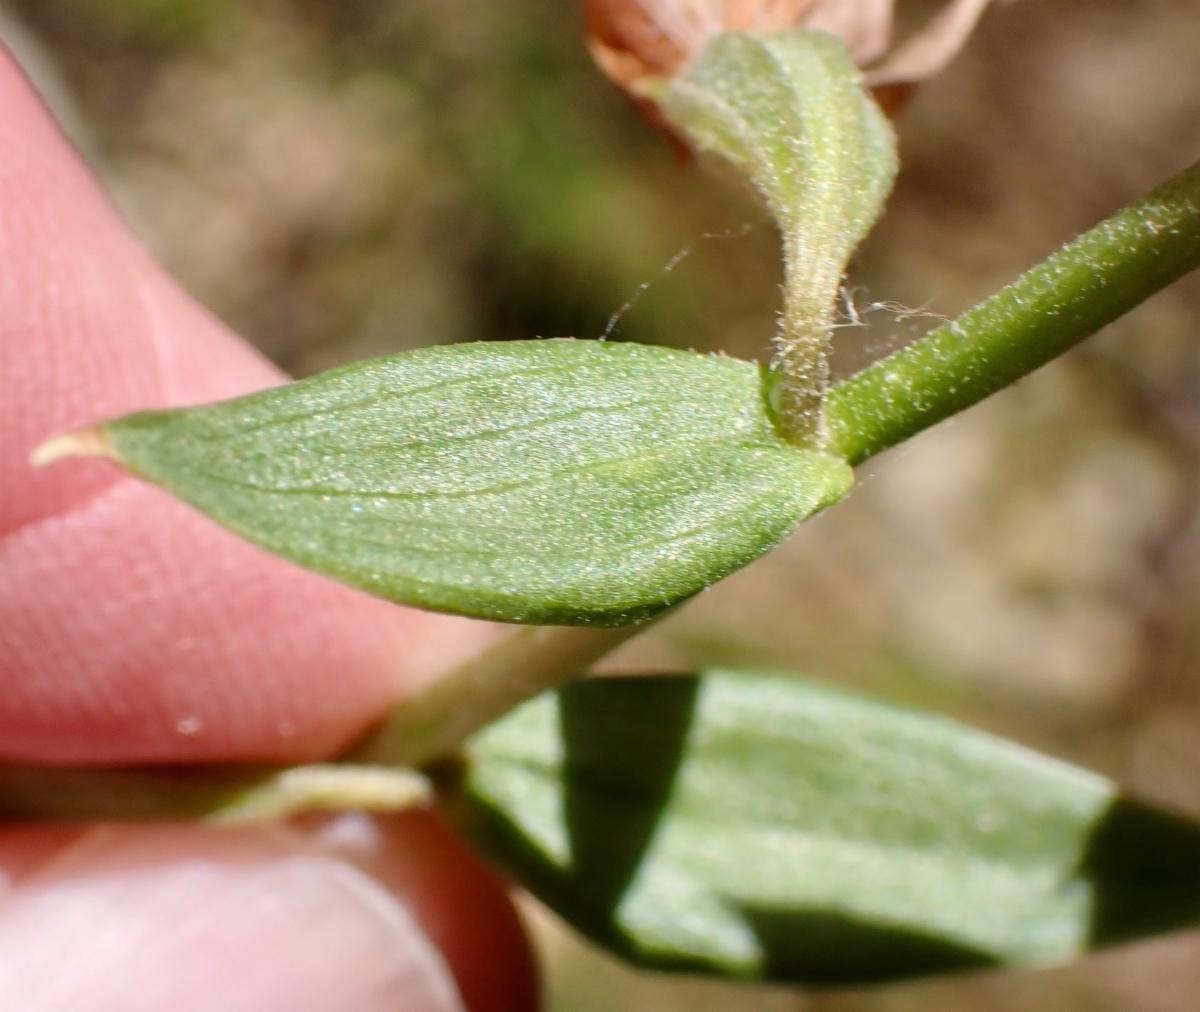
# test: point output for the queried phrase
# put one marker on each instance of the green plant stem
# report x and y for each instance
(526, 663)
(1092, 281)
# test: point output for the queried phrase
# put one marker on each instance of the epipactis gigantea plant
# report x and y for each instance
(742, 824)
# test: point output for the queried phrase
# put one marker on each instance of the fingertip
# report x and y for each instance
(345, 912)
(143, 918)
(463, 904)
(489, 952)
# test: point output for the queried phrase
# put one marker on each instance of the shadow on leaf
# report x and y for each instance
(1144, 870)
(764, 828)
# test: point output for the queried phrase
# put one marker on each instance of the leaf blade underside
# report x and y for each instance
(755, 826)
(549, 482)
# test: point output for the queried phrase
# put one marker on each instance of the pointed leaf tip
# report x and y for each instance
(80, 443)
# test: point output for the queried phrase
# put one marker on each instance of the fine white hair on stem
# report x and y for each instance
(853, 315)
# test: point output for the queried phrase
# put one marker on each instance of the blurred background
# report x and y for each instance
(345, 178)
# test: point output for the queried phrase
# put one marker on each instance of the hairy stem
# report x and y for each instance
(801, 365)
(789, 112)
(1090, 282)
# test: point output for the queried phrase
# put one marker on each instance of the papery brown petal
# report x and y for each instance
(632, 40)
(637, 41)
(933, 47)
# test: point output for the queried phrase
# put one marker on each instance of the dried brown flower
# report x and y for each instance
(636, 42)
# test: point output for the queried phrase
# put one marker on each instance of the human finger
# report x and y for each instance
(123, 919)
(133, 629)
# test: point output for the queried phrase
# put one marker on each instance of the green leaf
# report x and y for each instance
(551, 482)
(756, 826)
(790, 112)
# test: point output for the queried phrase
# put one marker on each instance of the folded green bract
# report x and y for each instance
(550, 482)
(790, 112)
(757, 826)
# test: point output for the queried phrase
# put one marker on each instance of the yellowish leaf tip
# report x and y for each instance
(80, 443)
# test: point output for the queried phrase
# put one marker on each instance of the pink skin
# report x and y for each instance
(134, 630)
